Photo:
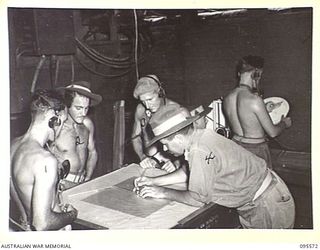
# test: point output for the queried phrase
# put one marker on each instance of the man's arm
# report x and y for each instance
(265, 120)
(43, 195)
(15, 198)
(175, 177)
(186, 197)
(136, 133)
(92, 152)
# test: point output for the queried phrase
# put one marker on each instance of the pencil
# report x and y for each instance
(141, 176)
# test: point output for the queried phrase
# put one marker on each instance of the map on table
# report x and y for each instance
(120, 197)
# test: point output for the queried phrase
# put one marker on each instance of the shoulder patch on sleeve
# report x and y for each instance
(209, 157)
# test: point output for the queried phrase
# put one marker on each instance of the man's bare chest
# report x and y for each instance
(73, 137)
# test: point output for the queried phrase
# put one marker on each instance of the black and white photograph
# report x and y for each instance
(189, 119)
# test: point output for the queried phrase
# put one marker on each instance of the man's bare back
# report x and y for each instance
(246, 112)
(30, 162)
(241, 107)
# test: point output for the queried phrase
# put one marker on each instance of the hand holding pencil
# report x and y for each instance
(141, 182)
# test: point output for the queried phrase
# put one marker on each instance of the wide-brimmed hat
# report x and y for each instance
(170, 119)
(145, 85)
(83, 88)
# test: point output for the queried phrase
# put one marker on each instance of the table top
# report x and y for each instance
(109, 202)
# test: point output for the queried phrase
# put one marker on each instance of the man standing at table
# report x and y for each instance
(150, 93)
(76, 141)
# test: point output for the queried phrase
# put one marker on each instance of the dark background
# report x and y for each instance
(194, 57)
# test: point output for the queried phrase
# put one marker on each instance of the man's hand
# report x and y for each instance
(84, 177)
(169, 167)
(140, 182)
(66, 208)
(287, 121)
(153, 192)
(148, 163)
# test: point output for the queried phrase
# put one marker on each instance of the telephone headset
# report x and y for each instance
(256, 74)
(54, 120)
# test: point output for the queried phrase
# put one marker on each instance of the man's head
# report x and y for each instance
(47, 105)
(250, 68)
(44, 100)
(171, 125)
(149, 91)
(78, 98)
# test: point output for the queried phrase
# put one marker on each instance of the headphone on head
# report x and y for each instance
(162, 93)
(256, 75)
(54, 120)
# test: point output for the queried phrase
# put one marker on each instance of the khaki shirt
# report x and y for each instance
(222, 171)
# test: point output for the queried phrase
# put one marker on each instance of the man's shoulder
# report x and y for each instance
(231, 93)
(249, 97)
(88, 123)
(255, 100)
(42, 155)
(202, 141)
(251, 102)
(45, 160)
(30, 157)
(169, 101)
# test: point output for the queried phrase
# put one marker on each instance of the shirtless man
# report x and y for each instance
(246, 112)
(34, 170)
(76, 141)
(151, 95)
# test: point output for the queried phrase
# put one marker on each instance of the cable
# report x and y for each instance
(57, 72)
(94, 53)
(36, 73)
(97, 58)
(111, 62)
(136, 43)
(100, 74)
(72, 68)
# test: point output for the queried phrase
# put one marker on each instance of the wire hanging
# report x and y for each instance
(136, 43)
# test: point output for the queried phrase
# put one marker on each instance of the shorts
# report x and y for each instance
(259, 149)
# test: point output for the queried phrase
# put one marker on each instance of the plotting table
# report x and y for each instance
(108, 202)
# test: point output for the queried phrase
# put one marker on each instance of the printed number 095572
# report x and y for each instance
(308, 246)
